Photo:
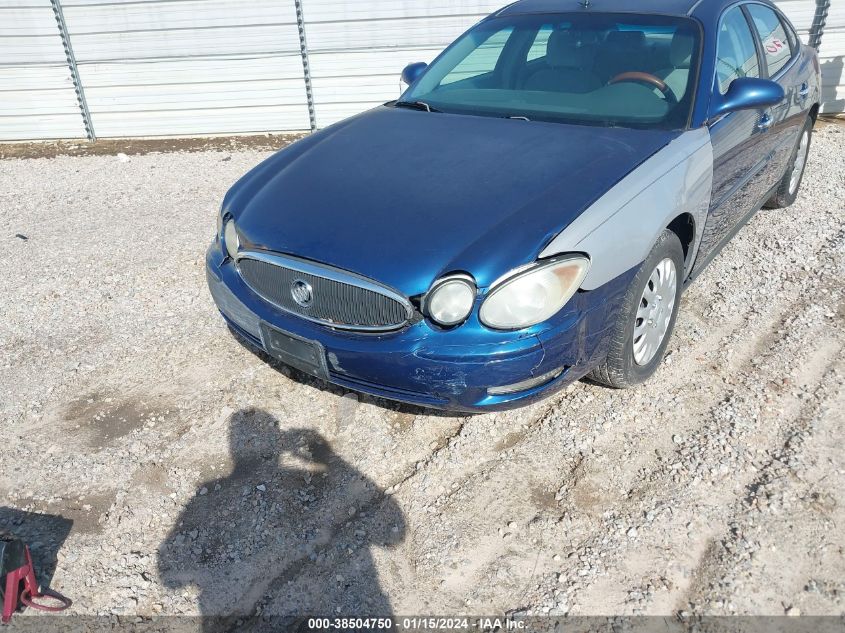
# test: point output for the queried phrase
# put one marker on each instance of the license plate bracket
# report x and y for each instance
(303, 354)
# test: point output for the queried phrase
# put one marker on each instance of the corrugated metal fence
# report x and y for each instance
(122, 68)
(36, 88)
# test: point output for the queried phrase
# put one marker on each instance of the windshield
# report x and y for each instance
(587, 68)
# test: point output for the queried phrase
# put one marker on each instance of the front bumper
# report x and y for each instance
(428, 366)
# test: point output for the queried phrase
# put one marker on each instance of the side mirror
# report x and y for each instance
(748, 93)
(412, 72)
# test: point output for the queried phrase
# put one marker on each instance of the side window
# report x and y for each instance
(777, 48)
(736, 54)
(541, 43)
(482, 60)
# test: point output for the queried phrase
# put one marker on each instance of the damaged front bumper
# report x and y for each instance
(469, 368)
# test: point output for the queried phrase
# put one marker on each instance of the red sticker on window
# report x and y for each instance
(774, 46)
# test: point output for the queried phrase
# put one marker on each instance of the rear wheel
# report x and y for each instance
(790, 184)
(647, 317)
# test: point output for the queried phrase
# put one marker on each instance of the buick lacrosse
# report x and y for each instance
(530, 210)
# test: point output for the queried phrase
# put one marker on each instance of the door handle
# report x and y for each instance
(804, 92)
(765, 122)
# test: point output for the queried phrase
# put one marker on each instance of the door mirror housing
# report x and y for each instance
(748, 93)
(412, 72)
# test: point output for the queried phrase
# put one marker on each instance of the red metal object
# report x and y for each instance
(13, 594)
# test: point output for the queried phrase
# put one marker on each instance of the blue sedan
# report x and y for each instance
(530, 210)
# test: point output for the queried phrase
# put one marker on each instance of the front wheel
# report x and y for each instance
(790, 184)
(646, 318)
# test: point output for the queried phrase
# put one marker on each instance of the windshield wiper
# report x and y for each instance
(416, 105)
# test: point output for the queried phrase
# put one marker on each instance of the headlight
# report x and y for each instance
(230, 239)
(530, 296)
(450, 300)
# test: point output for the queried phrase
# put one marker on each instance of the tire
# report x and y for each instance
(635, 353)
(790, 184)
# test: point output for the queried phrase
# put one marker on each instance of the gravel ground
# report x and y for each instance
(200, 479)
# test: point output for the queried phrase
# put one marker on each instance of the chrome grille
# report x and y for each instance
(339, 299)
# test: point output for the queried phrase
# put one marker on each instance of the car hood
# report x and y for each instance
(404, 196)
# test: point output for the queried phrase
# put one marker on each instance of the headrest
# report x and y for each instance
(628, 39)
(562, 50)
(680, 55)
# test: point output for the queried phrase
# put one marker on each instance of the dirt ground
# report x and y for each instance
(169, 470)
(140, 146)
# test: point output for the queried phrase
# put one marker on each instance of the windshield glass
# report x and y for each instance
(587, 68)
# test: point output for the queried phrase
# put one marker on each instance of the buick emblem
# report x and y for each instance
(302, 293)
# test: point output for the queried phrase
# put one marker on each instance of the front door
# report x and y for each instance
(741, 149)
(779, 51)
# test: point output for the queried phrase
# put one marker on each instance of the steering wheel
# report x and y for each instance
(646, 78)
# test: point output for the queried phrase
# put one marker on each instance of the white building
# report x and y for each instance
(190, 67)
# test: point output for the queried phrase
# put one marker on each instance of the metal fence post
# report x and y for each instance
(306, 65)
(819, 20)
(74, 71)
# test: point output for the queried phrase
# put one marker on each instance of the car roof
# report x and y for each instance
(671, 7)
(704, 9)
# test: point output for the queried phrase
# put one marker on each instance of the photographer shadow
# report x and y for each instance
(287, 535)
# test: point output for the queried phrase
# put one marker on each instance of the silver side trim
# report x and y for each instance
(334, 274)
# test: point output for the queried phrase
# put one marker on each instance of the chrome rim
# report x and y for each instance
(655, 311)
(800, 161)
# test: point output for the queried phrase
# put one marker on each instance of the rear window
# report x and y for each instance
(777, 45)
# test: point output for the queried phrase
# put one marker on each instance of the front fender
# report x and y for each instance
(620, 228)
